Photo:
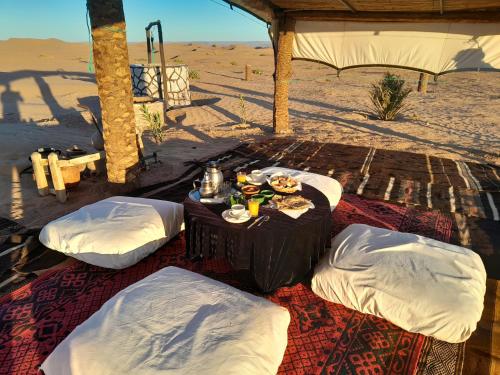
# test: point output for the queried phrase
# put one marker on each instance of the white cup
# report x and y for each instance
(257, 175)
(237, 210)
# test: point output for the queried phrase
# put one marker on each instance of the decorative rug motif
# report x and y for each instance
(440, 358)
(323, 337)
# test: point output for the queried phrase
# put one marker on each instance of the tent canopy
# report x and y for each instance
(434, 36)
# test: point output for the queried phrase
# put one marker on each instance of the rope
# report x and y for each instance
(90, 64)
(235, 11)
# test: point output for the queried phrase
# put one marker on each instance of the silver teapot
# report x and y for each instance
(214, 173)
(206, 186)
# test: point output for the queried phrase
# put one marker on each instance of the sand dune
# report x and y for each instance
(43, 81)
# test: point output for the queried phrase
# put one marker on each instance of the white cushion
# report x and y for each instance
(116, 232)
(176, 322)
(419, 284)
(330, 187)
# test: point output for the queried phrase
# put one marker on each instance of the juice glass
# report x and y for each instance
(253, 207)
(241, 177)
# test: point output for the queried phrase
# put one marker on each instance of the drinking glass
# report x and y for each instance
(241, 177)
(225, 189)
(253, 207)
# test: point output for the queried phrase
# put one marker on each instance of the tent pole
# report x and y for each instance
(282, 74)
(423, 80)
(114, 87)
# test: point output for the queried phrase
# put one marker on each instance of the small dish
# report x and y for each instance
(268, 194)
(249, 190)
(256, 180)
(226, 215)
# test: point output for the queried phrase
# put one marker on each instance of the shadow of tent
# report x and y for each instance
(355, 125)
(202, 102)
(91, 102)
(11, 99)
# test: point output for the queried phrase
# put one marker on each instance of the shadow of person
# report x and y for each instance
(471, 59)
(10, 105)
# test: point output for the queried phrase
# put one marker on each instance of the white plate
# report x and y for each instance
(226, 215)
(257, 182)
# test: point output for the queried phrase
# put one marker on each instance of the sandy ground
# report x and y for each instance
(43, 81)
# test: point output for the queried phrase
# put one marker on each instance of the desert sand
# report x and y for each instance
(43, 81)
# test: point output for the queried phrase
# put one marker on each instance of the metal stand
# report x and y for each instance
(162, 84)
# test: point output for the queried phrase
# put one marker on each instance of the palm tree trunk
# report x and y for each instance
(115, 88)
(283, 74)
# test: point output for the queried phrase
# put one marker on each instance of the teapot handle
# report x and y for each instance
(197, 181)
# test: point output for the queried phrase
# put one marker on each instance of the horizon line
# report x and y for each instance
(136, 41)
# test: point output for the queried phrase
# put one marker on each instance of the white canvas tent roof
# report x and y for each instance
(426, 35)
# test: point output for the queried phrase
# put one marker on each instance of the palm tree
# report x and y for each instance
(115, 88)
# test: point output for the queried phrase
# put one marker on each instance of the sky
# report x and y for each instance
(182, 20)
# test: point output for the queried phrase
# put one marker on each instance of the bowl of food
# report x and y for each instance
(283, 183)
(249, 190)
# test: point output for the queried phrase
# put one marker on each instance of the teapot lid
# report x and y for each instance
(212, 164)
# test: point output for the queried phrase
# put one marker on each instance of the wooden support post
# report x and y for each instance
(39, 172)
(248, 72)
(282, 74)
(57, 178)
(423, 80)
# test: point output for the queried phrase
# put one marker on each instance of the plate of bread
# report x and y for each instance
(291, 202)
(284, 183)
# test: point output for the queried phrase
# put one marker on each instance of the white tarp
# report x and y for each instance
(432, 47)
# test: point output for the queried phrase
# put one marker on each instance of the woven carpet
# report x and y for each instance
(324, 338)
(468, 193)
(20, 255)
(7, 227)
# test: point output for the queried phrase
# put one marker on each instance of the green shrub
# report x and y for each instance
(154, 122)
(257, 72)
(194, 74)
(388, 97)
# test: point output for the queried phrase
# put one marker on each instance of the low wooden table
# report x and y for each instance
(281, 252)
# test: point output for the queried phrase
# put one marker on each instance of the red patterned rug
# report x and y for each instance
(323, 338)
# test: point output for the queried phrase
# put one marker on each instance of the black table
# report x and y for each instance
(280, 252)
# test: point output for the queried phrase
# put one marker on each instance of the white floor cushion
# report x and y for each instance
(421, 285)
(330, 187)
(116, 232)
(176, 322)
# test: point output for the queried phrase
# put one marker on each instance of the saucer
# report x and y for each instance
(226, 215)
(254, 181)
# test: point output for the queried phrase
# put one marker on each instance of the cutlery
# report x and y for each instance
(266, 218)
(256, 221)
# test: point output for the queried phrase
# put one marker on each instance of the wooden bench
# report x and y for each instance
(55, 165)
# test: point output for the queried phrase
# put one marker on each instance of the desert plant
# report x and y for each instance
(257, 72)
(388, 96)
(154, 123)
(243, 110)
(194, 74)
